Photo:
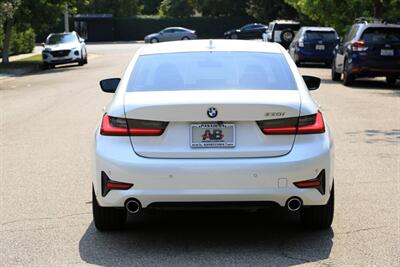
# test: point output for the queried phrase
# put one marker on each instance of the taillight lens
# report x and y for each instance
(310, 124)
(113, 126)
(359, 46)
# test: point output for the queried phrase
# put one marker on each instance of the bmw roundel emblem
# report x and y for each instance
(212, 112)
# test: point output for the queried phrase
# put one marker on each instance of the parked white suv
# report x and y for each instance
(63, 48)
(281, 31)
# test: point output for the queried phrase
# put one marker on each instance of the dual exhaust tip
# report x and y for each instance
(294, 204)
(133, 206)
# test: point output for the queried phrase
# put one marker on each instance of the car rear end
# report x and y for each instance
(377, 52)
(317, 45)
(180, 142)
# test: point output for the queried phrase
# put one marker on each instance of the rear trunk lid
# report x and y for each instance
(187, 113)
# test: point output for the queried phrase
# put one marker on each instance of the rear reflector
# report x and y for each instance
(317, 183)
(310, 124)
(113, 126)
(107, 185)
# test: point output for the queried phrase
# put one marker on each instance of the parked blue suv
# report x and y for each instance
(368, 50)
(314, 44)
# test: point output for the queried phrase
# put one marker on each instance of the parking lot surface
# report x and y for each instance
(47, 122)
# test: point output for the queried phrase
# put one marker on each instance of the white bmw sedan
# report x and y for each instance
(212, 124)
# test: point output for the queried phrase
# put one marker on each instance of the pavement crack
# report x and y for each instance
(360, 230)
(45, 218)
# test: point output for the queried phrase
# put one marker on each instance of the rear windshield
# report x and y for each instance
(381, 35)
(210, 71)
(321, 35)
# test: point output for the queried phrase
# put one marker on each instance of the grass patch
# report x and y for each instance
(32, 62)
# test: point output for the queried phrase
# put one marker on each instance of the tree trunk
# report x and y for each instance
(7, 38)
(378, 9)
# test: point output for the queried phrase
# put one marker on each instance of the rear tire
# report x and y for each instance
(154, 40)
(107, 219)
(348, 78)
(185, 38)
(234, 36)
(391, 80)
(335, 75)
(319, 217)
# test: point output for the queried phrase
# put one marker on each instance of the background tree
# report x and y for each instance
(119, 8)
(150, 7)
(176, 8)
(215, 8)
(340, 14)
(267, 10)
(7, 17)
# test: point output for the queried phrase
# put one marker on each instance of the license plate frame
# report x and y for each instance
(320, 47)
(200, 139)
(387, 52)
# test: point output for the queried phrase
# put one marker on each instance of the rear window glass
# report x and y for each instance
(211, 71)
(293, 27)
(320, 35)
(381, 35)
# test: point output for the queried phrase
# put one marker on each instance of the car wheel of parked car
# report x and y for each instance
(335, 75)
(348, 78)
(391, 80)
(154, 40)
(185, 38)
(106, 219)
(319, 217)
(45, 66)
(233, 36)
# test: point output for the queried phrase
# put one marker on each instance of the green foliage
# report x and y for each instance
(119, 8)
(150, 7)
(341, 14)
(267, 10)
(8, 9)
(176, 8)
(21, 41)
(214, 8)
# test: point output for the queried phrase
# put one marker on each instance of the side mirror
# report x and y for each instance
(42, 44)
(312, 82)
(81, 40)
(109, 85)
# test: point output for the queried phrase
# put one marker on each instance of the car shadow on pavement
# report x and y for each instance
(171, 238)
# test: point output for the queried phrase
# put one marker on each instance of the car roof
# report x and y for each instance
(177, 28)
(379, 25)
(219, 45)
(285, 21)
(322, 29)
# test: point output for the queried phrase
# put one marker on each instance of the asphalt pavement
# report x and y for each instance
(47, 122)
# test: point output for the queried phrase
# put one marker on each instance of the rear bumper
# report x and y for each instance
(213, 180)
(313, 56)
(364, 66)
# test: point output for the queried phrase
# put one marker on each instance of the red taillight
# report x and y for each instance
(118, 185)
(113, 126)
(359, 46)
(310, 124)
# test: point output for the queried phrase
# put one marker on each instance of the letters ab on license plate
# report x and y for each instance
(208, 135)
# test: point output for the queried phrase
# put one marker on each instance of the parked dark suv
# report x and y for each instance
(369, 49)
(314, 44)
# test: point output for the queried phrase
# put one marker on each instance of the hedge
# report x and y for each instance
(21, 41)
(135, 28)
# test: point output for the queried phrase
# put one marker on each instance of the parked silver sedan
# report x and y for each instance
(171, 34)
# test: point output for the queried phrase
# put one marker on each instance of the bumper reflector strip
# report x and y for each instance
(107, 185)
(317, 183)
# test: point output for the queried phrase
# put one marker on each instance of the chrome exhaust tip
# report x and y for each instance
(132, 206)
(294, 204)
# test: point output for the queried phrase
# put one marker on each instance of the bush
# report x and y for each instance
(21, 41)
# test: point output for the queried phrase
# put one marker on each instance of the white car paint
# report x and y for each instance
(165, 169)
